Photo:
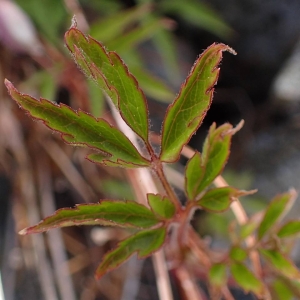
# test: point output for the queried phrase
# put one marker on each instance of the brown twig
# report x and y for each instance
(56, 244)
(147, 185)
(188, 285)
(11, 133)
(68, 169)
(242, 219)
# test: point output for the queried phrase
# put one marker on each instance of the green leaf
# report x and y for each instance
(136, 36)
(144, 243)
(247, 229)
(291, 228)
(48, 15)
(219, 199)
(114, 25)
(164, 41)
(96, 99)
(238, 254)
(111, 74)
(107, 212)
(201, 170)
(280, 263)
(153, 87)
(246, 279)
(80, 128)
(281, 290)
(200, 14)
(186, 113)
(161, 206)
(275, 212)
(217, 275)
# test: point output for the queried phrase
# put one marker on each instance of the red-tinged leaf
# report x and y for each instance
(144, 243)
(289, 229)
(107, 212)
(280, 264)
(186, 113)
(82, 129)
(111, 74)
(219, 199)
(161, 206)
(203, 168)
(275, 211)
(246, 279)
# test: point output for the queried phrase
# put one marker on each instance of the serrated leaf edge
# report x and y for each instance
(31, 229)
(210, 90)
(130, 75)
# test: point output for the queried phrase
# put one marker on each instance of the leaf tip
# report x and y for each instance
(230, 50)
(23, 231)
(74, 22)
(8, 84)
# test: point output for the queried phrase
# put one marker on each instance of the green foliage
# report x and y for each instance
(217, 200)
(120, 213)
(238, 254)
(144, 243)
(246, 279)
(111, 74)
(186, 113)
(281, 291)
(257, 239)
(217, 275)
(289, 229)
(201, 170)
(280, 263)
(161, 206)
(275, 210)
(80, 128)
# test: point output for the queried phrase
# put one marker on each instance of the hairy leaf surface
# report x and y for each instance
(111, 74)
(107, 212)
(80, 128)
(144, 243)
(161, 206)
(186, 113)
(203, 168)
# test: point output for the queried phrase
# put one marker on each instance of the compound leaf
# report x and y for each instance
(161, 206)
(246, 279)
(276, 209)
(80, 128)
(280, 264)
(107, 212)
(144, 243)
(203, 168)
(186, 113)
(111, 74)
